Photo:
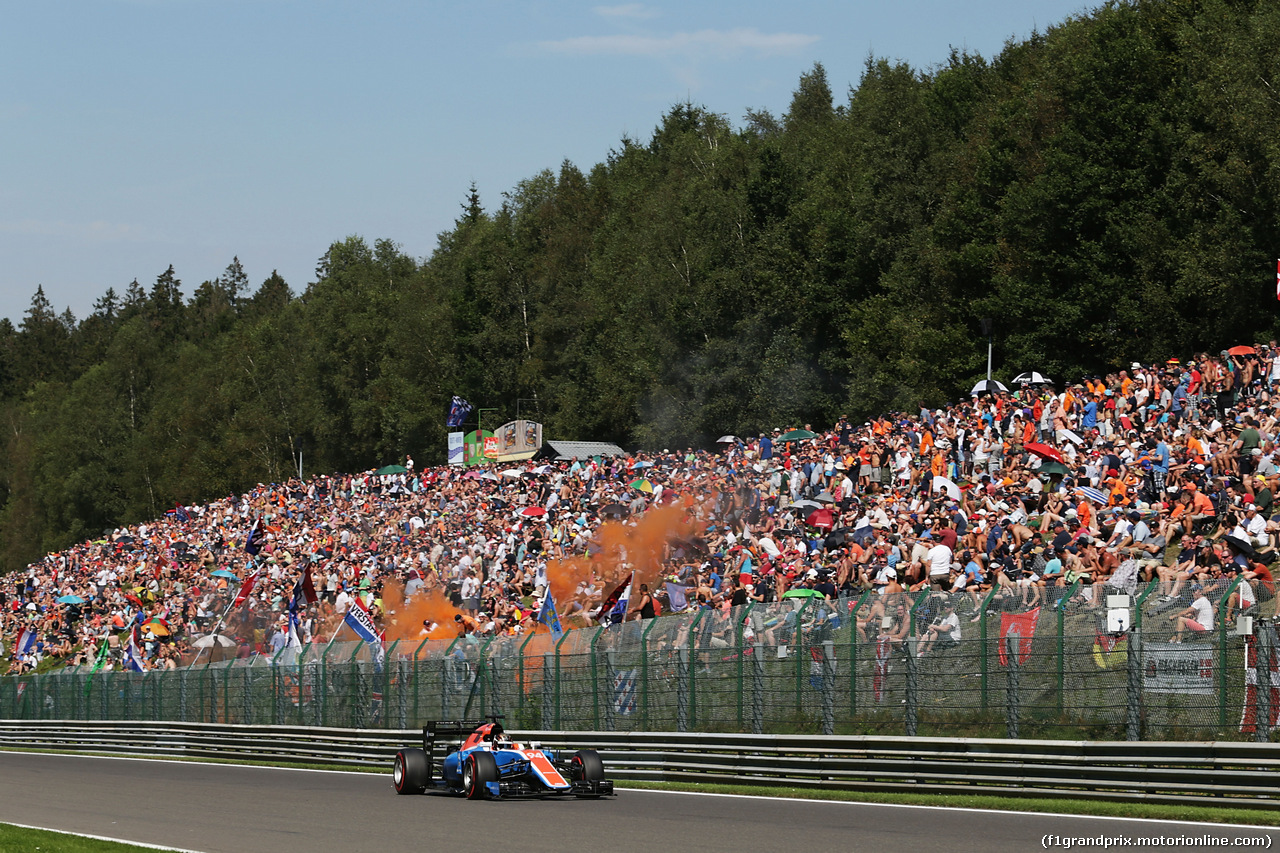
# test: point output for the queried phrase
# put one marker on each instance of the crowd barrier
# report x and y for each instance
(794, 667)
(1240, 775)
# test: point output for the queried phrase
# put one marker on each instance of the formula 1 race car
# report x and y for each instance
(488, 764)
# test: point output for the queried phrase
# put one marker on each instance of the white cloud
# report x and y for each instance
(724, 43)
(637, 11)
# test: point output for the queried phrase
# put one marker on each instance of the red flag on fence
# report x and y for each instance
(246, 588)
(1022, 628)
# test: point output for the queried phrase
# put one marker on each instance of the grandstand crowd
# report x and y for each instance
(1158, 472)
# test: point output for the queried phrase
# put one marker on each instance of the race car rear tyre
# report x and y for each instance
(479, 769)
(587, 765)
(410, 773)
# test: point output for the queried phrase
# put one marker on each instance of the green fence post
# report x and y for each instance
(482, 670)
(212, 710)
(357, 702)
(1061, 608)
(1222, 654)
(595, 680)
(738, 632)
(524, 688)
(796, 642)
(302, 684)
(417, 661)
(853, 653)
(444, 677)
(277, 687)
(387, 660)
(982, 646)
(323, 684)
(644, 674)
(559, 708)
(692, 655)
(1137, 610)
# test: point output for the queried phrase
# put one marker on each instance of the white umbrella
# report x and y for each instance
(806, 504)
(1032, 377)
(987, 386)
(826, 497)
(951, 488)
(210, 640)
(726, 439)
(489, 475)
(512, 473)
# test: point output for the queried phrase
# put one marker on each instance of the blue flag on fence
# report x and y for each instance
(624, 692)
(547, 616)
(458, 412)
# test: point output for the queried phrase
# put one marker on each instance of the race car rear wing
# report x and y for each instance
(442, 729)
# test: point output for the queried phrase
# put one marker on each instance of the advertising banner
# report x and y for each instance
(474, 447)
(455, 448)
(1178, 668)
(519, 439)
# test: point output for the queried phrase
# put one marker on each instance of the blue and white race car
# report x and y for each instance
(488, 764)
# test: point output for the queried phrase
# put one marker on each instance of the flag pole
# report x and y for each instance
(253, 564)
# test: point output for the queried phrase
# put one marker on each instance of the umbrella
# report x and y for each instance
(1032, 377)
(71, 599)
(512, 473)
(642, 465)
(157, 626)
(489, 475)
(392, 469)
(1242, 350)
(802, 593)
(826, 498)
(806, 504)
(211, 640)
(821, 518)
(1241, 545)
(643, 485)
(533, 512)
(836, 538)
(223, 573)
(543, 469)
(797, 435)
(1051, 467)
(1045, 451)
(727, 439)
(619, 510)
(1096, 495)
(987, 386)
(952, 490)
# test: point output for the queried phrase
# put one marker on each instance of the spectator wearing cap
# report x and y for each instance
(1252, 527)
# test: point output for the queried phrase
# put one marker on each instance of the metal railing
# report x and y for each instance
(1223, 774)
(800, 666)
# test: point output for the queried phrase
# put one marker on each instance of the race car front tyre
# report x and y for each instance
(410, 773)
(478, 771)
(587, 765)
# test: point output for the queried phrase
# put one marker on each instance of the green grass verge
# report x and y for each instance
(15, 839)
(1150, 811)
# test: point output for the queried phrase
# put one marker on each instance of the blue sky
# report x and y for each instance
(135, 134)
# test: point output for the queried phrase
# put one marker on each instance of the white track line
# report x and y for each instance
(102, 838)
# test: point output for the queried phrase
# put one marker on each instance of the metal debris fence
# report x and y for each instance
(799, 666)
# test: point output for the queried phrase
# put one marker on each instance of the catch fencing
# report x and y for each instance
(803, 665)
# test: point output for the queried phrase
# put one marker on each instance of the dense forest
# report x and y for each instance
(1107, 190)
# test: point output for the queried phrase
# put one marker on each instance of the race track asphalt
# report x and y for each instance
(231, 809)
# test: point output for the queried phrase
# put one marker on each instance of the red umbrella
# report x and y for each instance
(533, 512)
(821, 518)
(1242, 350)
(1044, 451)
